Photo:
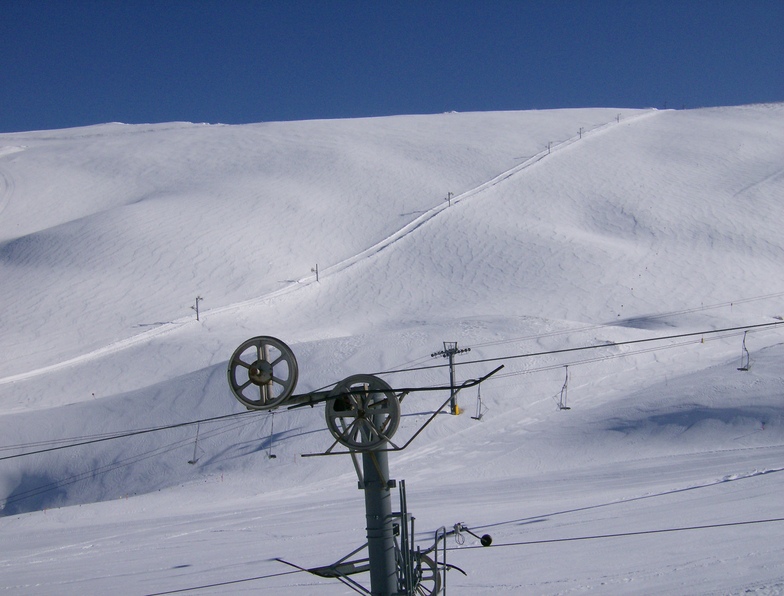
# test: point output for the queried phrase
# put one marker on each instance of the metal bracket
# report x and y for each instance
(470, 383)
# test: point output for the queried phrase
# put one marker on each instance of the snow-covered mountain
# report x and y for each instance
(577, 235)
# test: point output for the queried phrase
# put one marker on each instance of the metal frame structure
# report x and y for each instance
(362, 413)
(449, 351)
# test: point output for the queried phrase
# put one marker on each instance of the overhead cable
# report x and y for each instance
(227, 583)
(109, 437)
(591, 347)
(625, 534)
(121, 435)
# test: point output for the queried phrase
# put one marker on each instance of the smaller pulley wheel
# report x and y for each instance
(429, 578)
(362, 412)
(262, 373)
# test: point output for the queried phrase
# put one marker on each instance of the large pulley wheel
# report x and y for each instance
(262, 373)
(362, 412)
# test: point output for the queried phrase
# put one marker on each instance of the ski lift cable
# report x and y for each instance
(504, 545)
(106, 435)
(630, 534)
(228, 583)
(625, 501)
(530, 542)
(609, 357)
(626, 534)
(646, 317)
(589, 347)
(93, 472)
(234, 425)
(622, 343)
(119, 435)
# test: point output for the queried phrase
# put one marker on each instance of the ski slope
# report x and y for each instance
(577, 235)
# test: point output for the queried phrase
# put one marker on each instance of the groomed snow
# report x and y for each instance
(564, 229)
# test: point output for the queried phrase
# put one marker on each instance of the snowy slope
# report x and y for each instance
(565, 229)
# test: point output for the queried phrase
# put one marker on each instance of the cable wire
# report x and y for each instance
(122, 435)
(624, 534)
(111, 436)
(583, 348)
(639, 317)
(227, 583)
(504, 545)
(611, 356)
(105, 469)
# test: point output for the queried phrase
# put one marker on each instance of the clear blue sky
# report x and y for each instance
(69, 63)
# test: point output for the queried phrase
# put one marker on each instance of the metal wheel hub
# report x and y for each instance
(260, 372)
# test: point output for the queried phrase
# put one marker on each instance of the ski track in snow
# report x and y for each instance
(332, 269)
(771, 177)
(112, 348)
(7, 184)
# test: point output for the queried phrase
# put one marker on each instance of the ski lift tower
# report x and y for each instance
(362, 414)
(449, 351)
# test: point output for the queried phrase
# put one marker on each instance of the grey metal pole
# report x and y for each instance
(378, 511)
(453, 400)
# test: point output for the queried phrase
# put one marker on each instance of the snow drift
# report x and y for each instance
(511, 233)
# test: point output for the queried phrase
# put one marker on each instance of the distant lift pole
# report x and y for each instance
(562, 403)
(196, 308)
(745, 357)
(449, 351)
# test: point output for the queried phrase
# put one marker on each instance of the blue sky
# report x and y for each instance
(70, 63)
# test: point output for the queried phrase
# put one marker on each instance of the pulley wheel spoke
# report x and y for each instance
(362, 412)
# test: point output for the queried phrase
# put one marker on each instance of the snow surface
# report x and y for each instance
(565, 229)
